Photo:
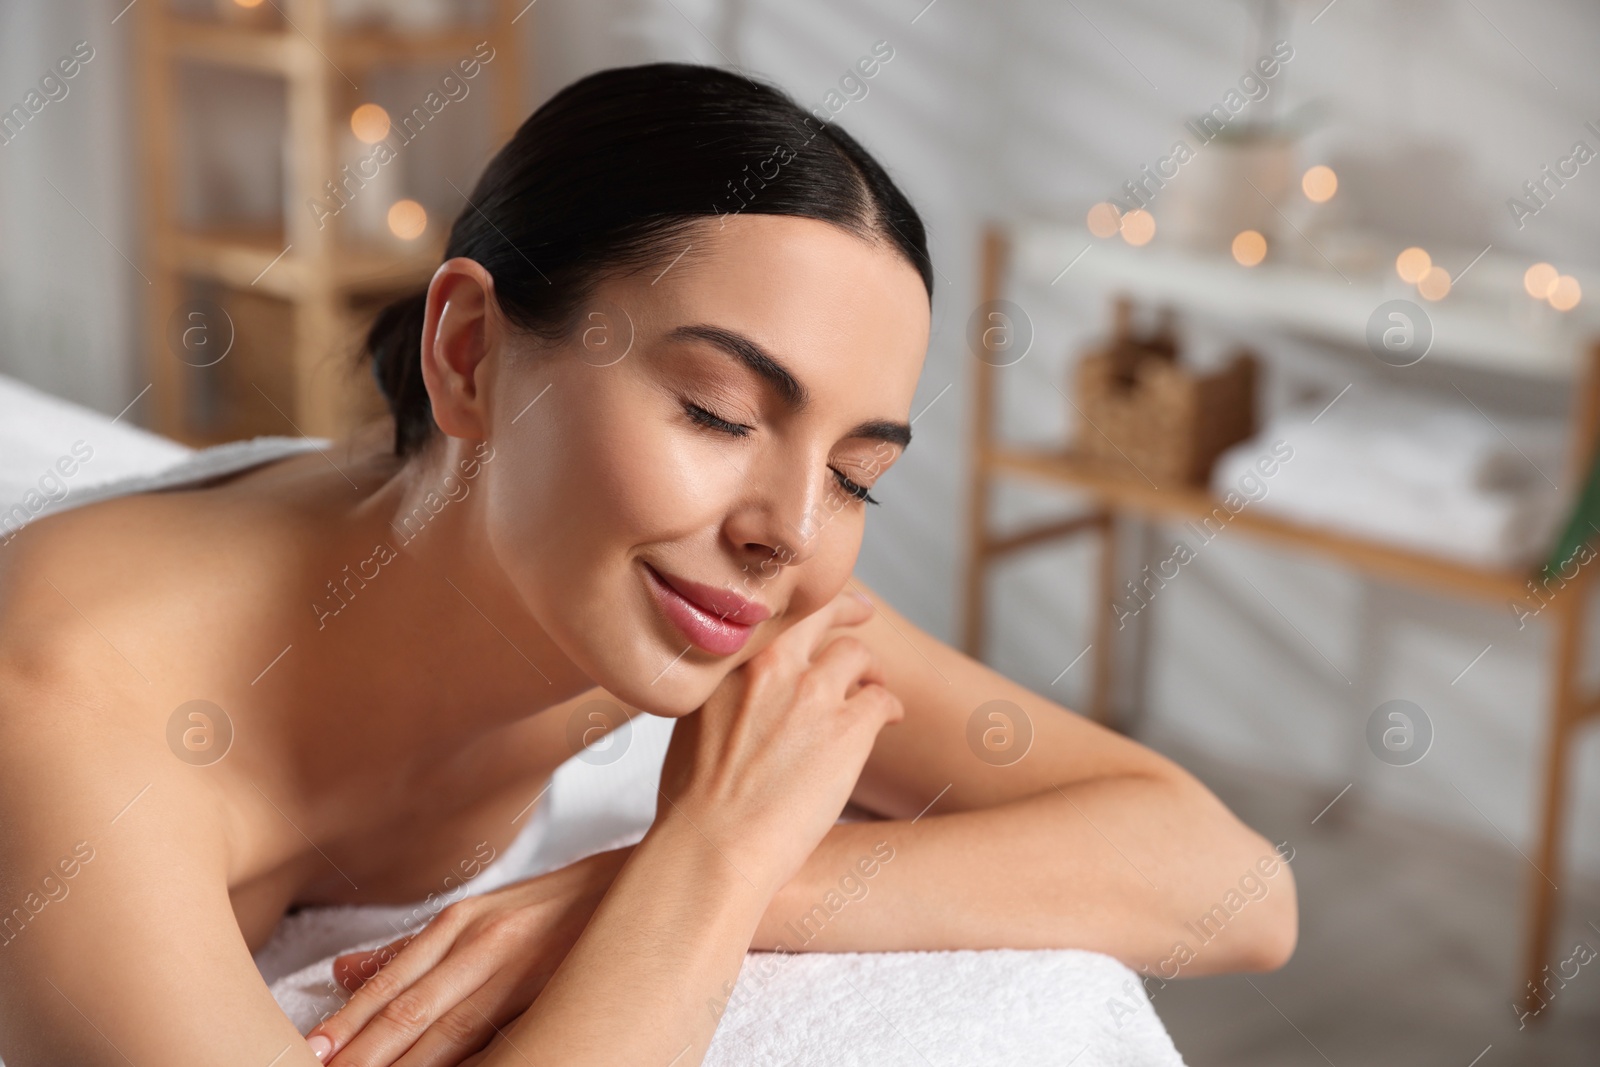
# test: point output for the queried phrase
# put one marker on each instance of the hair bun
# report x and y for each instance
(395, 342)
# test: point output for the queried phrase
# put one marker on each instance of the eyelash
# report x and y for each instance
(716, 422)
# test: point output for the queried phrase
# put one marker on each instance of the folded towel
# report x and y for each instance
(1413, 473)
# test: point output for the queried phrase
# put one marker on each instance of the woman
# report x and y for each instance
(670, 354)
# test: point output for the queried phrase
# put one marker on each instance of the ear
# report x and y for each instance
(460, 330)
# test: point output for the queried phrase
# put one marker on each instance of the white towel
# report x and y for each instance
(1005, 1007)
(1412, 472)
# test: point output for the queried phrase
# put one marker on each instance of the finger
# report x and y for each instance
(470, 1025)
(877, 706)
(416, 955)
(401, 1023)
(802, 639)
(839, 666)
(854, 605)
(352, 969)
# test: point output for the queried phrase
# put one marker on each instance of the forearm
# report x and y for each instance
(668, 939)
(1124, 865)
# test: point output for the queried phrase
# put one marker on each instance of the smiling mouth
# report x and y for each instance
(707, 630)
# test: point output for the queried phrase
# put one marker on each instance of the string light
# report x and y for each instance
(1538, 279)
(1138, 227)
(1104, 219)
(1412, 264)
(1319, 184)
(1249, 248)
(1565, 293)
(407, 219)
(370, 123)
(1434, 285)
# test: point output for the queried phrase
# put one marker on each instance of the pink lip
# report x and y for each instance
(714, 619)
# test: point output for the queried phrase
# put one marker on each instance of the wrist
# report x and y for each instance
(718, 864)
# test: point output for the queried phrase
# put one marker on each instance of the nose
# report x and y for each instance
(780, 517)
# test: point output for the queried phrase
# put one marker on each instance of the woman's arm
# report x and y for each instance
(118, 942)
(666, 941)
(1089, 840)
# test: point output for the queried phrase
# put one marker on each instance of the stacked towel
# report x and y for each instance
(1440, 478)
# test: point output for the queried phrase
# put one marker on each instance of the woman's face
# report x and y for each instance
(682, 479)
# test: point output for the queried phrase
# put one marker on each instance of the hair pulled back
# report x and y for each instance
(608, 172)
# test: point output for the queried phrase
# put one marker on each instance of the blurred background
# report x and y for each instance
(1257, 420)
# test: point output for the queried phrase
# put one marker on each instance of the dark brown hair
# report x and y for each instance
(612, 168)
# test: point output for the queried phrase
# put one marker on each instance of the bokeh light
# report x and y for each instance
(1138, 226)
(407, 219)
(1434, 285)
(1249, 248)
(1538, 279)
(1565, 293)
(1412, 264)
(370, 123)
(1319, 184)
(1104, 219)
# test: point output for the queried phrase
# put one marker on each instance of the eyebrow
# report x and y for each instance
(789, 388)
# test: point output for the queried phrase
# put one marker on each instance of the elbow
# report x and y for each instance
(1269, 940)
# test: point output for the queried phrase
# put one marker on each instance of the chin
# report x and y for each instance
(683, 688)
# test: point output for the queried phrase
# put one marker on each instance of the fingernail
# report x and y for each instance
(862, 597)
(321, 1047)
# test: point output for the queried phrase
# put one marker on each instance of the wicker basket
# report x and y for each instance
(1144, 415)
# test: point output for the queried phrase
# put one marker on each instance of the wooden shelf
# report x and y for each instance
(1064, 470)
(267, 50)
(1321, 304)
(258, 261)
(319, 272)
(1313, 301)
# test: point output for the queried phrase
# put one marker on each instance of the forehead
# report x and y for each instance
(847, 316)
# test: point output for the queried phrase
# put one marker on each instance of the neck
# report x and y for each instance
(429, 608)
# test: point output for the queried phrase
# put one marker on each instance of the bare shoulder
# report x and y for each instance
(114, 904)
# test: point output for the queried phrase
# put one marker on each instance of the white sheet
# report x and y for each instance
(914, 1008)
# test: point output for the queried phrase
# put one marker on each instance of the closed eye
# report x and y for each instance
(716, 422)
(857, 491)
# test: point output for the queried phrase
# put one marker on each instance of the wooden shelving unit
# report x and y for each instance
(1567, 354)
(328, 284)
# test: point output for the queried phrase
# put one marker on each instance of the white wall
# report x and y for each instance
(66, 290)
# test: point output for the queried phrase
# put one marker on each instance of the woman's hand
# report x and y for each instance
(434, 997)
(763, 768)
